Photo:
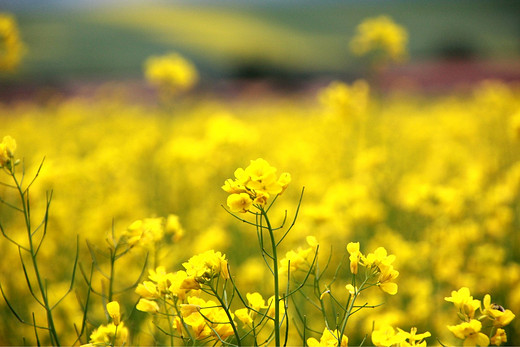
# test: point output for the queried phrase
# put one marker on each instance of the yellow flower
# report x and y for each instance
(113, 311)
(110, 335)
(7, 149)
(500, 316)
(351, 289)
(146, 305)
(386, 336)
(499, 338)
(386, 276)
(383, 34)
(463, 300)
(173, 226)
(148, 290)
(239, 202)
(205, 266)
(243, 315)
(271, 307)
(11, 47)
(470, 333)
(414, 339)
(254, 185)
(255, 301)
(355, 256)
(344, 99)
(206, 319)
(171, 73)
(329, 339)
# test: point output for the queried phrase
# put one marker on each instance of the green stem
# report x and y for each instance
(25, 208)
(226, 309)
(276, 283)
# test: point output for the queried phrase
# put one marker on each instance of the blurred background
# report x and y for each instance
(290, 44)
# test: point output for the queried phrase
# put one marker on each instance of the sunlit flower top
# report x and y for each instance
(254, 185)
(172, 73)
(329, 338)
(382, 34)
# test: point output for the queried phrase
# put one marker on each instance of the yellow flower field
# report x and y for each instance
(338, 217)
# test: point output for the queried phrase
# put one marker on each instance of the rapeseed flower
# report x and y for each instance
(205, 266)
(464, 302)
(500, 316)
(380, 34)
(499, 338)
(470, 333)
(254, 185)
(387, 336)
(171, 73)
(114, 312)
(7, 149)
(110, 335)
(11, 47)
(328, 339)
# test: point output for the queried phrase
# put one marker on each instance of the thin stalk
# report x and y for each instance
(276, 280)
(24, 197)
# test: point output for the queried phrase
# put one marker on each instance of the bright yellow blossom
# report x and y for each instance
(470, 333)
(113, 311)
(464, 301)
(328, 339)
(205, 266)
(110, 335)
(500, 316)
(414, 339)
(386, 336)
(146, 305)
(355, 256)
(239, 202)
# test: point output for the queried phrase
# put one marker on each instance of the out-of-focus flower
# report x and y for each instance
(470, 333)
(171, 73)
(7, 149)
(355, 256)
(110, 335)
(380, 34)
(298, 259)
(499, 338)
(146, 305)
(329, 339)
(346, 100)
(11, 47)
(387, 336)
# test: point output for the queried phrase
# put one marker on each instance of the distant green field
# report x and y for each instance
(113, 41)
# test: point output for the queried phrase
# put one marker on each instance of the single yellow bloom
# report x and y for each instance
(110, 335)
(255, 301)
(113, 311)
(244, 316)
(500, 316)
(386, 336)
(470, 333)
(7, 149)
(355, 256)
(239, 202)
(463, 300)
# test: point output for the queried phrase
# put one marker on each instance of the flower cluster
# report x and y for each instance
(378, 264)
(206, 318)
(380, 33)
(344, 99)
(205, 266)
(11, 46)
(148, 231)
(387, 336)
(329, 339)
(295, 260)
(112, 334)
(171, 73)
(254, 185)
(471, 329)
